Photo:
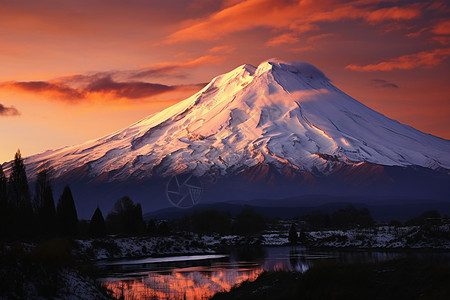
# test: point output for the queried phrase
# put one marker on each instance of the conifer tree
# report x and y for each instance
(67, 213)
(293, 236)
(44, 204)
(140, 223)
(18, 183)
(3, 202)
(163, 229)
(126, 217)
(19, 198)
(3, 185)
(151, 228)
(48, 213)
(97, 227)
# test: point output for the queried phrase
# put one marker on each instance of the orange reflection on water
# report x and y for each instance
(198, 284)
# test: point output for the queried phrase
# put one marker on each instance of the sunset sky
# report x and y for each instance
(75, 70)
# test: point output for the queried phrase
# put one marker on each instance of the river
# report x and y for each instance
(201, 276)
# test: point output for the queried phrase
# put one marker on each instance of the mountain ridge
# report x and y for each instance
(276, 113)
(280, 128)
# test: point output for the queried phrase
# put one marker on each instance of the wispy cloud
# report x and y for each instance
(442, 28)
(285, 38)
(225, 49)
(128, 90)
(125, 84)
(103, 87)
(303, 49)
(320, 37)
(406, 62)
(443, 40)
(52, 89)
(381, 83)
(6, 111)
(294, 17)
(173, 68)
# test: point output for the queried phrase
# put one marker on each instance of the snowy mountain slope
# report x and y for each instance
(284, 114)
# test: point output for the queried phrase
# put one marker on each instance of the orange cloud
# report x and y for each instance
(285, 38)
(170, 68)
(393, 13)
(318, 37)
(222, 49)
(294, 16)
(444, 40)
(289, 38)
(241, 16)
(442, 28)
(367, 12)
(200, 61)
(406, 62)
(303, 49)
(417, 33)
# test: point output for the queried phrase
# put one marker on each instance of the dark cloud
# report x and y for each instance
(99, 83)
(124, 84)
(125, 76)
(6, 111)
(127, 84)
(131, 90)
(56, 89)
(381, 83)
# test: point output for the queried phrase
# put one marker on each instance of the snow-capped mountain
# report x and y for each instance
(272, 131)
(283, 114)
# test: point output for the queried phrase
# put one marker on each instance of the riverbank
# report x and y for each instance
(181, 244)
(58, 268)
(395, 279)
(45, 271)
(381, 237)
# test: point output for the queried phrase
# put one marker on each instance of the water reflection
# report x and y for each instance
(180, 284)
(201, 276)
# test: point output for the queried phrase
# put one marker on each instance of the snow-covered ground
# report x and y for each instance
(118, 247)
(388, 237)
(76, 286)
(72, 284)
(69, 285)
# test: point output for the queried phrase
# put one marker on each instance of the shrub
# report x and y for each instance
(210, 221)
(54, 251)
(249, 222)
(109, 245)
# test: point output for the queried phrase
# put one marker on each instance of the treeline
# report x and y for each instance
(350, 217)
(429, 217)
(126, 220)
(22, 216)
(344, 218)
(213, 221)
(25, 217)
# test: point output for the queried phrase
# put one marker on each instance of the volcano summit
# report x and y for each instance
(277, 130)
